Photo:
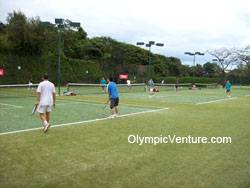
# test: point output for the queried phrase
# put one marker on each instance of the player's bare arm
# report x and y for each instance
(54, 100)
(38, 96)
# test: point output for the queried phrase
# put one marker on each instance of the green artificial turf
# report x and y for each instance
(98, 154)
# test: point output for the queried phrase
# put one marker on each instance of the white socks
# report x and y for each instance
(45, 123)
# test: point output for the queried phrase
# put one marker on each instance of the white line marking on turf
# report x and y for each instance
(106, 118)
(9, 108)
(86, 121)
(247, 95)
(219, 100)
(15, 106)
(102, 104)
(95, 103)
(140, 106)
(19, 131)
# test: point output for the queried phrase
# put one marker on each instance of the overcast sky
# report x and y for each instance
(182, 25)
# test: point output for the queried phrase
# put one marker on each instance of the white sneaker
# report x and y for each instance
(46, 128)
(112, 116)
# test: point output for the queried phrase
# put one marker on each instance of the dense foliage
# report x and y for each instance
(29, 48)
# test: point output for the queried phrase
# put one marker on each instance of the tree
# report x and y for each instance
(211, 69)
(227, 59)
(81, 34)
(3, 39)
(243, 54)
(16, 23)
(25, 37)
(199, 71)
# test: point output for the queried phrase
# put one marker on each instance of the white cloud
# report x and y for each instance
(192, 25)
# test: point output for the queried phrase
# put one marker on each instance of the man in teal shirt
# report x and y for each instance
(228, 88)
(103, 84)
(113, 97)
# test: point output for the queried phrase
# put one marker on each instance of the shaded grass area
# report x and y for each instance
(99, 155)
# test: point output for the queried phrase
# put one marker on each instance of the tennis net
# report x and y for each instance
(185, 86)
(207, 86)
(169, 87)
(87, 89)
(18, 90)
(242, 87)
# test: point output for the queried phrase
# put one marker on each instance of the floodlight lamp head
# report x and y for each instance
(59, 21)
(198, 53)
(140, 43)
(151, 42)
(159, 44)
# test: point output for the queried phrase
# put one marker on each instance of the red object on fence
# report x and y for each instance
(123, 76)
(1, 71)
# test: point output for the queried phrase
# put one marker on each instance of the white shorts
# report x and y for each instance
(43, 109)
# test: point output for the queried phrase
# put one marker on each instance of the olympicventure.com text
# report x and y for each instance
(171, 139)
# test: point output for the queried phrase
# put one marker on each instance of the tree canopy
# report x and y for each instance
(29, 43)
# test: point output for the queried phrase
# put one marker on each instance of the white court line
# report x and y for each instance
(247, 95)
(219, 100)
(102, 104)
(140, 106)
(9, 108)
(11, 105)
(95, 103)
(86, 121)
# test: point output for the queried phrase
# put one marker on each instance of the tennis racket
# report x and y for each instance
(34, 109)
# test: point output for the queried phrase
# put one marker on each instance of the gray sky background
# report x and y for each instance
(193, 25)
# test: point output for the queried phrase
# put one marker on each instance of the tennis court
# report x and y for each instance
(16, 113)
(16, 104)
(90, 150)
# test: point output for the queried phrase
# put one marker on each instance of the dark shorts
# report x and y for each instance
(114, 102)
(228, 90)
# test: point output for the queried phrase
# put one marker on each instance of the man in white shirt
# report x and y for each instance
(129, 84)
(46, 98)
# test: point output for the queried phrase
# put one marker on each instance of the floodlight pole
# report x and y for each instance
(194, 60)
(149, 62)
(194, 54)
(59, 63)
(61, 24)
(149, 44)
